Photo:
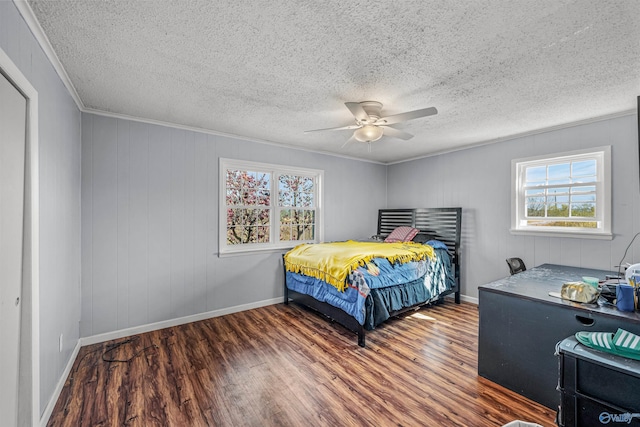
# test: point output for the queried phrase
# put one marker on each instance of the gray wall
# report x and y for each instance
(479, 180)
(150, 221)
(59, 130)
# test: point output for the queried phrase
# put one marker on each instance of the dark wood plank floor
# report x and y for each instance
(283, 366)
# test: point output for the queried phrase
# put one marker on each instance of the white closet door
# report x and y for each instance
(13, 107)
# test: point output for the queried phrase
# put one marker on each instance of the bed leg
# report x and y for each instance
(457, 297)
(286, 289)
(361, 337)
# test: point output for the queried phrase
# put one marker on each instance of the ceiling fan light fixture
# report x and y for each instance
(368, 133)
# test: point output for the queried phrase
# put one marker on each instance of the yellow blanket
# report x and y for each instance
(332, 262)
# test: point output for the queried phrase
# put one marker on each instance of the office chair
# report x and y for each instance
(516, 265)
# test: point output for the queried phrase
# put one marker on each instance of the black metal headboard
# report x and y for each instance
(443, 224)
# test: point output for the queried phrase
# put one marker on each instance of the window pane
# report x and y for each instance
(535, 192)
(583, 209)
(557, 199)
(296, 190)
(263, 197)
(285, 232)
(583, 189)
(535, 206)
(234, 196)
(583, 168)
(238, 235)
(249, 197)
(233, 216)
(308, 233)
(234, 179)
(241, 224)
(263, 216)
(558, 210)
(263, 234)
(303, 199)
(297, 224)
(309, 217)
(536, 175)
(559, 172)
(247, 188)
(583, 198)
(557, 191)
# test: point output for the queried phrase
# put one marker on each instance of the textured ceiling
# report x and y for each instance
(270, 70)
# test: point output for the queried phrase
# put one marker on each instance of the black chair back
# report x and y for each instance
(516, 265)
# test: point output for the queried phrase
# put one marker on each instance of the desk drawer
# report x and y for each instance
(578, 410)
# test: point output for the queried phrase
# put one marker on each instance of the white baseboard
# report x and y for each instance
(44, 419)
(94, 339)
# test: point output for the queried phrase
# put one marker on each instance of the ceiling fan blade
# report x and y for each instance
(357, 111)
(339, 128)
(350, 140)
(409, 115)
(389, 131)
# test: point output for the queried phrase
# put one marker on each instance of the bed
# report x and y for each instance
(380, 282)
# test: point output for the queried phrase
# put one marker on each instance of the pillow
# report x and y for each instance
(402, 234)
(423, 238)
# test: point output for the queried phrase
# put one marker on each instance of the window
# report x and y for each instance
(264, 206)
(568, 194)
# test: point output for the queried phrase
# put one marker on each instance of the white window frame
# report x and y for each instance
(602, 155)
(275, 170)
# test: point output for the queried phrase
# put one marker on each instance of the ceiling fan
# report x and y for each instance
(370, 126)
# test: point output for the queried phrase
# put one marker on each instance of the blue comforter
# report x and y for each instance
(378, 283)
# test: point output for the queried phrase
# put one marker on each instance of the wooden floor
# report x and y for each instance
(284, 366)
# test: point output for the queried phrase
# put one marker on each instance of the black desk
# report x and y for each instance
(520, 325)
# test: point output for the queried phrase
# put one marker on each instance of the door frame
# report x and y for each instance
(29, 378)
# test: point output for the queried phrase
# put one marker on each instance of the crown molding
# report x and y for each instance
(522, 135)
(36, 29)
(222, 134)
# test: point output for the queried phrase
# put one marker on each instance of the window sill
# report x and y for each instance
(553, 233)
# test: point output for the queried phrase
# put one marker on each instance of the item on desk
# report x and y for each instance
(625, 300)
(579, 292)
(623, 343)
(593, 281)
(630, 272)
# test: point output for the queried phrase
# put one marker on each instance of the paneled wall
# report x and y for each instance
(59, 131)
(479, 180)
(150, 221)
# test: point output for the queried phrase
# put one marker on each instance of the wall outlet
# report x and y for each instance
(60, 343)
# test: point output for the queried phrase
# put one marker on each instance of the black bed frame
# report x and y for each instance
(443, 224)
